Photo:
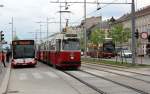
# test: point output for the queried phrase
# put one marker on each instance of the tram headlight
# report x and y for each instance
(72, 57)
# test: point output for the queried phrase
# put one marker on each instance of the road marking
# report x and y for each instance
(51, 74)
(37, 75)
(23, 76)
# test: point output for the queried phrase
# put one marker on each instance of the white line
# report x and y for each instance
(37, 75)
(51, 74)
(23, 76)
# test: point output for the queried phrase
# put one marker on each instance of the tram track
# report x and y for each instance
(84, 82)
(118, 69)
(120, 80)
(109, 80)
(118, 83)
(109, 71)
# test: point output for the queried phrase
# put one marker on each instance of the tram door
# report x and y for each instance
(58, 51)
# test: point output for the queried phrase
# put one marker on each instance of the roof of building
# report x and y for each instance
(91, 21)
(139, 13)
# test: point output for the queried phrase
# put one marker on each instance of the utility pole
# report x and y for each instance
(12, 28)
(60, 17)
(47, 25)
(47, 28)
(85, 33)
(133, 32)
(12, 31)
(36, 35)
(40, 33)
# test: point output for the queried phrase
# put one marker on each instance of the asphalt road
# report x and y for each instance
(2, 72)
(44, 80)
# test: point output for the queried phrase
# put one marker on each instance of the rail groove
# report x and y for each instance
(129, 87)
(87, 84)
(117, 74)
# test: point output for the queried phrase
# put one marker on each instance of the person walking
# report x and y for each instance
(7, 56)
(3, 59)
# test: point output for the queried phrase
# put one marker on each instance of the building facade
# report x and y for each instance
(142, 25)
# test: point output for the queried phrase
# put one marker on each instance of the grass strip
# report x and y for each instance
(114, 63)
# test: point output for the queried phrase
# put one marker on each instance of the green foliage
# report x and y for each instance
(97, 36)
(119, 34)
(114, 63)
(126, 34)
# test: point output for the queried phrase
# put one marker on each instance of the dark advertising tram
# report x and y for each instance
(107, 50)
(61, 50)
(23, 53)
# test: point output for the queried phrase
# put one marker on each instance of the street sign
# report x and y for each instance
(144, 35)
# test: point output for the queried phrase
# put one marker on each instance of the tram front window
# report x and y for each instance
(109, 48)
(71, 44)
(23, 51)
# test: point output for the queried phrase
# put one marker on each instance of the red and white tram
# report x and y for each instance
(23, 53)
(61, 50)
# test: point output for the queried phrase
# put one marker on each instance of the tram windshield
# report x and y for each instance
(71, 44)
(23, 51)
(109, 47)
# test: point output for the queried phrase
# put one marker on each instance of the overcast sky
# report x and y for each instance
(27, 12)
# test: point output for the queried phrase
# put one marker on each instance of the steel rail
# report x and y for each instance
(117, 74)
(129, 87)
(113, 68)
(87, 84)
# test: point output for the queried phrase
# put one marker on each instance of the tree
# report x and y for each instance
(97, 37)
(120, 34)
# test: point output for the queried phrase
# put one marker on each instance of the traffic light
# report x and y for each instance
(1, 36)
(136, 34)
(148, 38)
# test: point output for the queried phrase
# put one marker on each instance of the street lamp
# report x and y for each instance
(1, 5)
(12, 26)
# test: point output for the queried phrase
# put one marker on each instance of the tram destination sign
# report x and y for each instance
(23, 42)
(71, 35)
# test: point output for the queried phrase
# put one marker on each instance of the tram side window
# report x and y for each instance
(58, 45)
(52, 47)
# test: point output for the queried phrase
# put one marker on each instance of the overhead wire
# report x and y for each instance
(97, 10)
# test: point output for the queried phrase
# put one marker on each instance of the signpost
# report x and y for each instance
(144, 35)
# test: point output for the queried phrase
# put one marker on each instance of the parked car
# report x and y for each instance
(125, 53)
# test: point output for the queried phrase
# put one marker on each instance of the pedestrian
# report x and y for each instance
(3, 59)
(7, 56)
